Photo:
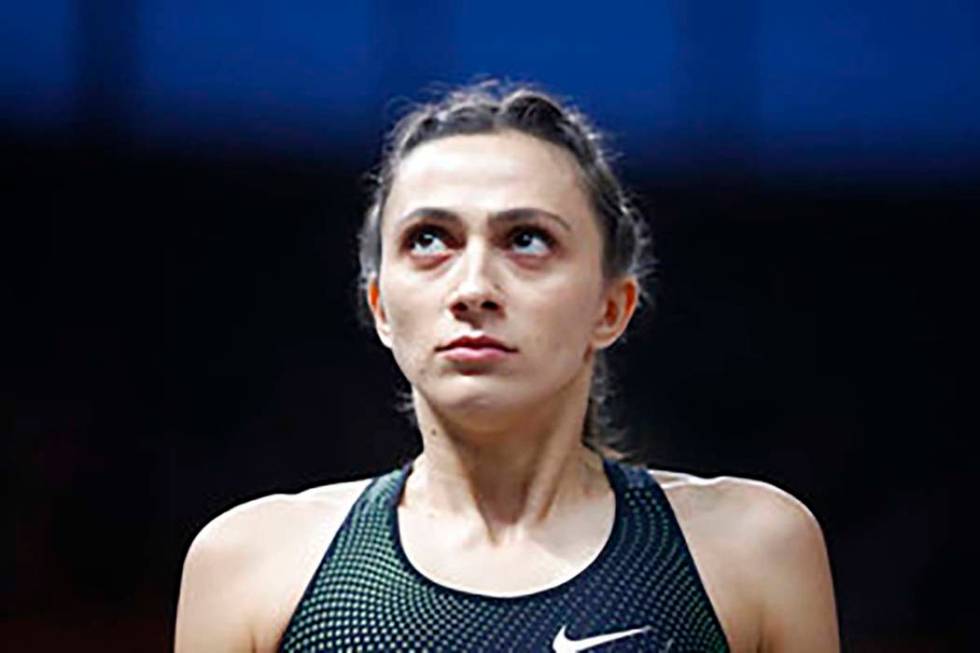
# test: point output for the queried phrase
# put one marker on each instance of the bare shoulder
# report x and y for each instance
(248, 567)
(757, 506)
(250, 528)
(763, 559)
(754, 520)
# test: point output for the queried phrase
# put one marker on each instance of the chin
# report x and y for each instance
(480, 406)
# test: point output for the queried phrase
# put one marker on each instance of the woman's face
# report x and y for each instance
(493, 235)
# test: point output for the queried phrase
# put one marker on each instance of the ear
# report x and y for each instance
(615, 311)
(378, 311)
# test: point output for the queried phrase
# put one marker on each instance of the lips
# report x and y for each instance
(475, 351)
(476, 342)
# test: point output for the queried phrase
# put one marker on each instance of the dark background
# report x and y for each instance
(183, 185)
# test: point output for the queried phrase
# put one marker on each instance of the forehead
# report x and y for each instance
(484, 173)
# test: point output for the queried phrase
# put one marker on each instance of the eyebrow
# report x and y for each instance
(518, 214)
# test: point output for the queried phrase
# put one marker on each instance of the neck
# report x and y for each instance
(510, 477)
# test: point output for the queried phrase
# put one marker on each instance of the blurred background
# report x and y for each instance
(182, 186)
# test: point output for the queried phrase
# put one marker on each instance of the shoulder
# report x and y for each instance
(764, 514)
(233, 534)
(765, 551)
(252, 558)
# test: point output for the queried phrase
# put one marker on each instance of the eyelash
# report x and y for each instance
(546, 237)
(412, 235)
(415, 232)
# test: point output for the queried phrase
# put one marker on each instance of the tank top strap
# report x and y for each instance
(638, 487)
(382, 491)
(627, 477)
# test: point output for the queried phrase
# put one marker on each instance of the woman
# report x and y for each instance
(499, 259)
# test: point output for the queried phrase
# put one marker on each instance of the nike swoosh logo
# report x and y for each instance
(564, 645)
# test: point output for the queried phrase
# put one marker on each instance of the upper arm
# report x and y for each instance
(796, 590)
(211, 615)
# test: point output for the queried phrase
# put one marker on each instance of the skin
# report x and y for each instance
(493, 234)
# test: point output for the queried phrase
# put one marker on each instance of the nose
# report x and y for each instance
(476, 291)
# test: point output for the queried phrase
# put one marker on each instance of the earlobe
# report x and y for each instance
(378, 311)
(618, 306)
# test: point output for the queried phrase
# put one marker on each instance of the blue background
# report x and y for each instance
(872, 88)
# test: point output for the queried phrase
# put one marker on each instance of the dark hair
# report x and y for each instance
(490, 107)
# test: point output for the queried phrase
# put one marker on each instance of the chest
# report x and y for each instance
(412, 584)
(522, 570)
(455, 554)
(636, 587)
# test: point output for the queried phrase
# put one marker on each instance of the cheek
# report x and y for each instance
(563, 315)
(408, 313)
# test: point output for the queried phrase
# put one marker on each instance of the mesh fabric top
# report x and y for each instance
(641, 593)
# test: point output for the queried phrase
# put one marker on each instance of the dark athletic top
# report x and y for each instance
(642, 592)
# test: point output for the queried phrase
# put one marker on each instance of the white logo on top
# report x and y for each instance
(564, 645)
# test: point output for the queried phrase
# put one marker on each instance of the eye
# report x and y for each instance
(426, 240)
(530, 240)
